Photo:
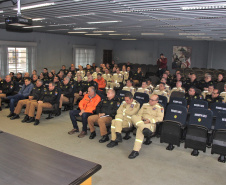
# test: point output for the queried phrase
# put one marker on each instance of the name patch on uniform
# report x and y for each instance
(162, 110)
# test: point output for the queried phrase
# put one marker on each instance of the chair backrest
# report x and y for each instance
(201, 117)
(141, 98)
(220, 122)
(218, 107)
(177, 94)
(121, 95)
(220, 86)
(163, 101)
(176, 113)
(178, 101)
(198, 104)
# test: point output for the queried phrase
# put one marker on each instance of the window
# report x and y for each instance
(17, 59)
(83, 55)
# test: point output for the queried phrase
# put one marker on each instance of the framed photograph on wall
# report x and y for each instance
(181, 57)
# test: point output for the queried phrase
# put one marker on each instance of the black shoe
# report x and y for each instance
(147, 132)
(58, 112)
(32, 119)
(92, 135)
(15, 117)
(118, 137)
(26, 118)
(11, 115)
(112, 144)
(0, 108)
(36, 122)
(133, 154)
(104, 139)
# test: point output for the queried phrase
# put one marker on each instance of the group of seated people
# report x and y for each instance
(94, 90)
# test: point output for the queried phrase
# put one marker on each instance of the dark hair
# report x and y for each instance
(99, 74)
(162, 83)
(45, 68)
(129, 95)
(12, 73)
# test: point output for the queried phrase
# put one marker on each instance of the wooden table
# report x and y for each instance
(23, 162)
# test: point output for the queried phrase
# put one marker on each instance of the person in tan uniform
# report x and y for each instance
(208, 92)
(144, 88)
(178, 87)
(223, 94)
(162, 91)
(117, 78)
(125, 74)
(167, 87)
(150, 86)
(107, 76)
(96, 73)
(128, 108)
(129, 87)
(145, 122)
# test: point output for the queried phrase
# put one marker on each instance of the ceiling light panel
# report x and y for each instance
(35, 6)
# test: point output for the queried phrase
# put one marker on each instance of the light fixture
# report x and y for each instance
(207, 7)
(103, 31)
(115, 34)
(93, 34)
(138, 10)
(38, 19)
(152, 34)
(35, 6)
(62, 24)
(129, 39)
(2, 22)
(76, 32)
(191, 34)
(33, 26)
(58, 30)
(84, 28)
(103, 22)
(1, 11)
(76, 15)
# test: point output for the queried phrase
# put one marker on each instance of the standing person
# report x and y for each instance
(145, 121)
(122, 119)
(87, 106)
(162, 64)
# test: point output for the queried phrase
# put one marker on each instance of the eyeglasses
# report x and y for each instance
(152, 99)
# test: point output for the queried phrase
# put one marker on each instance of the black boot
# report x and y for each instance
(118, 137)
(16, 116)
(31, 119)
(58, 112)
(36, 122)
(11, 115)
(0, 108)
(92, 135)
(104, 139)
(112, 144)
(26, 118)
(133, 154)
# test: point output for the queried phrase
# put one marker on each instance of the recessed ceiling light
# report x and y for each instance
(33, 27)
(35, 6)
(76, 32)
(191, 33)
(152, 34)
(138, 10)
(76, 15)
(115, 34)
(129, 39)
(1, 11)
(103, 22)
(84, 28)
(207, 7)
(38, 19)
(58, 30)
(103, 31)
(2, 22)
(93, 34)
(62, 24)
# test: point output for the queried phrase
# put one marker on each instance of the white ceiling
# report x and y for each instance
(161, 19)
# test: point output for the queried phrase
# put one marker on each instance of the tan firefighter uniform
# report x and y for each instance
(162, 93)
(131, 89)
(144, 90)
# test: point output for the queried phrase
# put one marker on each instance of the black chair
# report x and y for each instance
(121, 95)
(163, 101)
(178, 101)
(54, 109)
(141, 98)
(220, 86)
(172, 126)
(219, 137)
(177, 94)
(197, 104)
(217, 108)
(197, 130)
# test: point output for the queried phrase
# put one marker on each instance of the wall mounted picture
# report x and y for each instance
(181, 57)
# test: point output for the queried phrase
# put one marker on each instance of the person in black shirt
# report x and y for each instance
(78, 86)
(192, 95)
(106, 111)
(137, 77)
(214, 97)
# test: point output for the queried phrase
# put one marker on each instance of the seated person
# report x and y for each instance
(45, 73)
(7, 88)
(26, 75)
(145, 122)
(87, 106)
(167, 87)
(144, 88)
(78, 86)
(128, 108)
(50, 76)
(220, 79)
(100, 81)
(47, 100)
(191, 82)
(125, 74)
(178, 87)
(34, 79)
(89, 69)
(22, 94)
(128, 69)
(88, 84)
(137, 76)
(208, 92)
(162, 91)
(223, 94)
(85, 78)
(117, 79)
(204, 84)
(13, 78)
(96, 73)
(150, 86)
(191, 94)
(34, 96)
(72, 70)
(214, 97)
(66, 93)
(107, 76)
(106, 111)
(80, 69)
(19, 77)
(129, 87)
